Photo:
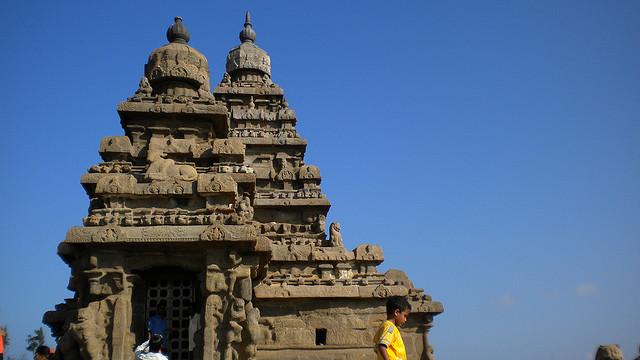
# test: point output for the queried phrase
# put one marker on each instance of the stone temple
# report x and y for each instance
(206, 204)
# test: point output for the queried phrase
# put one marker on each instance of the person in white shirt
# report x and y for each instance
(151, 349)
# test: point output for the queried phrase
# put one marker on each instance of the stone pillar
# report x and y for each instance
(427, 346)
(215, 289)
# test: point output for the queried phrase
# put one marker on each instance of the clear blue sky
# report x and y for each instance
(491, 147)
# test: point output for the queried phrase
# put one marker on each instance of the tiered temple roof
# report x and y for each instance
(215, 185)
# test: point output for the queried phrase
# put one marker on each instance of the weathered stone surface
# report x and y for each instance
(118, 234)
(216, 183)
(609, 352)
(206, 205)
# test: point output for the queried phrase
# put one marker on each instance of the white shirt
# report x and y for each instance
(142, 353)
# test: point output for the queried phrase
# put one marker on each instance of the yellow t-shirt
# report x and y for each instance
(389, 335)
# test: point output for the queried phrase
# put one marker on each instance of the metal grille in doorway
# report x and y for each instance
(178, 295)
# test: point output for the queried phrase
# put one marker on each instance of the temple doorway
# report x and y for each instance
(177, 293)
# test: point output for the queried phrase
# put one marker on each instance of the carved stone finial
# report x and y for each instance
(247, 34)
(178, 33)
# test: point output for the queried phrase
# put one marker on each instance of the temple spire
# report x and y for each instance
(178, 33)
(247, 34)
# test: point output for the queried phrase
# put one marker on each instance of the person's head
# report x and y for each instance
(42, 352)
(155, 343)
(398, 309)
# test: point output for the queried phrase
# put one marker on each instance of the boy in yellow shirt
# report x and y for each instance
(388, 342)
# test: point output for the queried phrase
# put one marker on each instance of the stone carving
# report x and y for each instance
(248, 56)
(177, 60)
(228, 147)
(144, 88)
(309, 172)
(216, 183)
(286, 172)
(245, 210)
(103, 322)
(111, 167)
(235, 169)
(609, 352)
(369, 252)
(335, 235)
(116, 184)
(214, 233)
(253, 328)
(108, 234)
(382, 291)
(116, 145)
(214, 316)
(267, 80)
(321, 224)
(161, 169)
(226, 80)
(207, 201)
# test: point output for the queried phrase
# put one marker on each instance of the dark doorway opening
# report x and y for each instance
(321, 336)
(176, 291)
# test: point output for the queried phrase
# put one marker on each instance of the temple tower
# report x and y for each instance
(206, 206)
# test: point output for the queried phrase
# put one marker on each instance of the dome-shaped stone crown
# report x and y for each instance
(248, 55)
(177, 67)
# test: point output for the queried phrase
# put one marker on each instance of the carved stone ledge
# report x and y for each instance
(263, 291)
(142, 234)
(248, 90)
(170, 108)
(291, 202)
(275, 141)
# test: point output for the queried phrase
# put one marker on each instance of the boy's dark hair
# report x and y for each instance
(42, 350)
(397, 303)
(155, 343)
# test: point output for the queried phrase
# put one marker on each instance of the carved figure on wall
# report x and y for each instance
(309, 172)
(204, 92)
(144, 87)
(335, 237)
(214, 310)
(253, 328)
(98, 324)
(272, 171)
(89, 332)
(226, 146)
(237, 310)
(245, 210)
(234, 261)
(321, 225)
(267, 80)
(286, 173)
(226, 80)
(233, 335)
(161, 169)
